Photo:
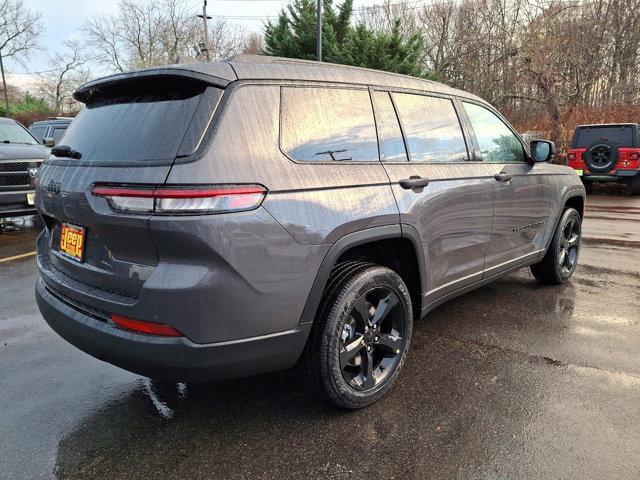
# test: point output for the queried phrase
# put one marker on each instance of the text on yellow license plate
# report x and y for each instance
(72, 241)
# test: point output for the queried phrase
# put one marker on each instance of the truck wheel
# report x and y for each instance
(561, 258)
(361, 335)
(634, 185)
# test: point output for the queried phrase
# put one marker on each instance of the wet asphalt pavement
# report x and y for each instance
(514, 380)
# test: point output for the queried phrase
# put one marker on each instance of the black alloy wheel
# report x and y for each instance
(561, 258)
(361, 335)
(371, 339)
(569, 246)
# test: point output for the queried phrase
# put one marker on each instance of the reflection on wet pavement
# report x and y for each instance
(514, 380)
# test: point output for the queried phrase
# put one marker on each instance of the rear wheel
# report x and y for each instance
(361, 335)
(561, 258)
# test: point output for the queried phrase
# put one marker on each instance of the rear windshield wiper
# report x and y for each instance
(65, 151)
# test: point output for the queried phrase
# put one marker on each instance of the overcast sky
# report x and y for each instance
(63, 19)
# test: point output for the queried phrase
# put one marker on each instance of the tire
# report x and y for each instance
(634, 185)
(353, 357)
(561, 258)
(601, 157)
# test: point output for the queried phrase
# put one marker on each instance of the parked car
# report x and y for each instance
(50, 131)
(225, 219)
(608, 152)
(20, 157)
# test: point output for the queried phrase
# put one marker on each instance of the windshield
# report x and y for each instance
(141, 120)
(14, 133)
(618, 135)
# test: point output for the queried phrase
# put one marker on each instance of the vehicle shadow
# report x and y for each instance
(458, 400)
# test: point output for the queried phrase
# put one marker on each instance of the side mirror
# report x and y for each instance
(542, 150)
(49, 142)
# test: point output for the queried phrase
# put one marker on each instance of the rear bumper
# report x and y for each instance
(620, 174)
(173, 359)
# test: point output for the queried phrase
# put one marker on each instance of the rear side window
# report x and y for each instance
(498, 144)
(619, 135)
(431, 128)
(390, 139)
(134, 121)
(327, 124)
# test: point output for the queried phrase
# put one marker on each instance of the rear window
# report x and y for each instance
(327, 124)
(142, 120)
(619, 135)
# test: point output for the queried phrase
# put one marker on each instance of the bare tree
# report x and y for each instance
(20, 30)
(67, 73)
(144, 33)
(225, 39)
(254, 44)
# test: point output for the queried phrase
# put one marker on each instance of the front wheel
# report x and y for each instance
(561, 258)
(361, 335)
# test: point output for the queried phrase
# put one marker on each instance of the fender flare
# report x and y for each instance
(345, 243)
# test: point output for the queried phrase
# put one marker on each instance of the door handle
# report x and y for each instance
(503, 177)
(414, 182)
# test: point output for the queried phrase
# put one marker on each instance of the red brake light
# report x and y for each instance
(182, 199)
(141, 326)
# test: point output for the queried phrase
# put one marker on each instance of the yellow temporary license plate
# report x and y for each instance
(31, 198)
(72, 241)
(580, 172)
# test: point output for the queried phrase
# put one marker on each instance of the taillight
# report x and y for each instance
(150, 328)
(178, 199)
(634, 156)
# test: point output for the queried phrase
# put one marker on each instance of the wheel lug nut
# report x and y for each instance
(375, 339)
(368, 348)
(366, 329)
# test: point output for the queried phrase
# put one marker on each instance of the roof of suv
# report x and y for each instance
(55, 120)
(254, 67)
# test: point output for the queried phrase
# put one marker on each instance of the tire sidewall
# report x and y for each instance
(339, 313)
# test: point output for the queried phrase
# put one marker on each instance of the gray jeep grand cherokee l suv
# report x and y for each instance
(209, 221)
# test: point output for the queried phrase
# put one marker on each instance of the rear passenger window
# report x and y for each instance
(498, 144)
(431, 128)
(327, 124)
(392, 147)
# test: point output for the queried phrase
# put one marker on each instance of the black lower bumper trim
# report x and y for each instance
(173, 359)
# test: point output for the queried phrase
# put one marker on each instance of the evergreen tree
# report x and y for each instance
(294, 36)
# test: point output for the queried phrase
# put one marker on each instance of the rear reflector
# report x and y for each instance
(150, 328)
(188, 200)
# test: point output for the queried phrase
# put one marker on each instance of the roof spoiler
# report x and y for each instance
(83, 93)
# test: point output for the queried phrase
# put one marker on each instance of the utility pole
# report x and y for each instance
(4, 86)
(204, 18)
(319, 32)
